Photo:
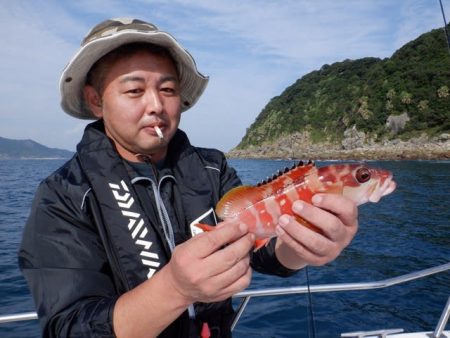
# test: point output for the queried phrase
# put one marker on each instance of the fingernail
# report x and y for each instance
(284, 220)
(297, 206)
(317, 199)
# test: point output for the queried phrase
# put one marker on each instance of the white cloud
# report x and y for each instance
(251, 49)
(411, 25)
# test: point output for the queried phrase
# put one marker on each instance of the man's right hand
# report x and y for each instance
(212, 266)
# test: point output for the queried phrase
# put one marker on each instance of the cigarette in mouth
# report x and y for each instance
(159, 132)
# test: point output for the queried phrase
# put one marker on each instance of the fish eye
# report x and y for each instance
(362, 175)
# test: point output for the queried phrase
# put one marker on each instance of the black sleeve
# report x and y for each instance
(265, 261)
(63, 260)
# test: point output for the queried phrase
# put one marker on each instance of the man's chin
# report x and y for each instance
(154, 151)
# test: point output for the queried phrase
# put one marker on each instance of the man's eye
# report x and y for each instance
(169, 90)
(134, 91)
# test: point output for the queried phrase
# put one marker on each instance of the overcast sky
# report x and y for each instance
(251, 50)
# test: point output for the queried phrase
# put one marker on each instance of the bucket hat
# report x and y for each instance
(111, 34)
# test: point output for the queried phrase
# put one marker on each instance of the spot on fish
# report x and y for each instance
(283, 202)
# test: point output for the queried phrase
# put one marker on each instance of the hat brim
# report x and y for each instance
(73, 78)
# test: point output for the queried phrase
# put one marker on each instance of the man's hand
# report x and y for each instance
(212, 266)
(336, 218)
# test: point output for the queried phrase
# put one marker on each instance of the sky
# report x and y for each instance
(251, 50)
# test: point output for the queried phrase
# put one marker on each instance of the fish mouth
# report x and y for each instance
(383, 188)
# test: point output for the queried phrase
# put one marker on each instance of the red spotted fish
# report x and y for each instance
(260, 206)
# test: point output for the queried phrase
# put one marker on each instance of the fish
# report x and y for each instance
(260, 206)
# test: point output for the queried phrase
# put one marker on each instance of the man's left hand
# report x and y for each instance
(335, 218)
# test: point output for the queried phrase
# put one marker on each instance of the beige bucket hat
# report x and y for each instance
(111, 34)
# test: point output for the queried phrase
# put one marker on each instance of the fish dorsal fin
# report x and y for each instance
(243, 197)
(289, 176)
(238, 199)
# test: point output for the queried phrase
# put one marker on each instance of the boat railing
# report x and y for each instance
(246, 295)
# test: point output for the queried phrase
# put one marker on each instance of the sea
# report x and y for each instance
(406, 231)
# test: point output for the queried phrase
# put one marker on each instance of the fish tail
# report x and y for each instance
(204, 227)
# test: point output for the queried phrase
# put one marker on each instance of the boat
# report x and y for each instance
(246, 295)
(439, 330)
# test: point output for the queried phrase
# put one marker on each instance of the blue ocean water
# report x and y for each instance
(406, 231)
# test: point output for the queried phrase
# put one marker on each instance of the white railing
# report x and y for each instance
(18, 317)
(248, 294)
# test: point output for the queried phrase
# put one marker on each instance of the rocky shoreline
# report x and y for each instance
(299, 146)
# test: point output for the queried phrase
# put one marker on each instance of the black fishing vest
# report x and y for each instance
(129, 222)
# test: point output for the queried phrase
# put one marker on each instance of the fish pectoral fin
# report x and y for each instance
(259, 243)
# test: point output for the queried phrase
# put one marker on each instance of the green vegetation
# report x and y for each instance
(29, 149)
(363, 93)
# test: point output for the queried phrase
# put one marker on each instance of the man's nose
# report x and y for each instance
(153, 102)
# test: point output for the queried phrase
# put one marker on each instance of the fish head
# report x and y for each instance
(358, 182)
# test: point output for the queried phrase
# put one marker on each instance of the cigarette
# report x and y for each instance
(159, 132)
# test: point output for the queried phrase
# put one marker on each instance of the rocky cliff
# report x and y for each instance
(354, 146)
(393, 108)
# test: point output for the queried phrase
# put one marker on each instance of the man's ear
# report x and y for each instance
(93, 100)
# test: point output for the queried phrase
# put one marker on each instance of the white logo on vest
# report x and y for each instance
(136, 226)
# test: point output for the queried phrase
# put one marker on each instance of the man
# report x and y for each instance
(108, 249)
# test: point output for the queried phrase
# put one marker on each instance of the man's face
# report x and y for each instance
(140, 92)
